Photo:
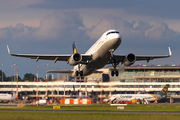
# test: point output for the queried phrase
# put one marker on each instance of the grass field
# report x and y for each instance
(107, 107)
(86, 116)
(93, 116)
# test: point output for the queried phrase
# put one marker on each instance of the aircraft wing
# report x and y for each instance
(60, 57)
(120, 58)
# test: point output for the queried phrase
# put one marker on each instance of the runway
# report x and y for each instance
(89, 111)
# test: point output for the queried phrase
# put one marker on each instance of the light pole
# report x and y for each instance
(11, 77)
(47, 66)
(14, 72)
(2, 72)
(11, 73)
(37, 83)
(47, 81)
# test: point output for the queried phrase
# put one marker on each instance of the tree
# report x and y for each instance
(29, 77)
(11, 79)
(4, 76)
(19, 79)
(49, 77)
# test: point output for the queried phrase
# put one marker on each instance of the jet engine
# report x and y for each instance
(129, 59)
(75, 59)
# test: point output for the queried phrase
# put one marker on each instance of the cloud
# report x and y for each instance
(68, 26)
(59, 25)
(18, 33)
(160, 31)
(110, 22)
(4, 33)
(136, 30)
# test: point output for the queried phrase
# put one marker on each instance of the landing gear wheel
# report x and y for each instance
(81, 73)
(112, 73)
(77, 73)
(117, 73)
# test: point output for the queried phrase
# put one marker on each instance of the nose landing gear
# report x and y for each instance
(114, 64)
(114, 72)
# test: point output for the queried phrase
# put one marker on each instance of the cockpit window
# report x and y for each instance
(112, 32)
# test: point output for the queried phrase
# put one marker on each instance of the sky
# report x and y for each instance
(148, 27)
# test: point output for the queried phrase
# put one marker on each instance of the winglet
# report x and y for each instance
(8, 50)
(169, 51)
(74, 48)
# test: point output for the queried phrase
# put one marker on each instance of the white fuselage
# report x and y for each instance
(130, 97)
(8, 97)
(110, 40)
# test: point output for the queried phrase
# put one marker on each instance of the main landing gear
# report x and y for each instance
(79, 73)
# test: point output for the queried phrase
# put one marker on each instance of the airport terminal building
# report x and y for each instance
(131, 80)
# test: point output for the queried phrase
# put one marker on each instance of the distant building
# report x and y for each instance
(132, 79)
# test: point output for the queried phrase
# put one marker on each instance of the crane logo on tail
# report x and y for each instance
(74, 48)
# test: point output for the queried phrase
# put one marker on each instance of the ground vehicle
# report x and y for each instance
(41, 102)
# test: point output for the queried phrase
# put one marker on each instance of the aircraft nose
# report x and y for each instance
(120, 36)
(117, 38)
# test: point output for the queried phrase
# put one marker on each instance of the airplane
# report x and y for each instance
(99, 55)
(140, 97)
(8, 97)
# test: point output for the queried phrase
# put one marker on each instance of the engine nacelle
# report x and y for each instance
(75, 59)
(129, 59)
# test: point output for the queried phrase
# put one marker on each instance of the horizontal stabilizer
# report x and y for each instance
(60, 71)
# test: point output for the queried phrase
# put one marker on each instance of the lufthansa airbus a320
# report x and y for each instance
(99, 55)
